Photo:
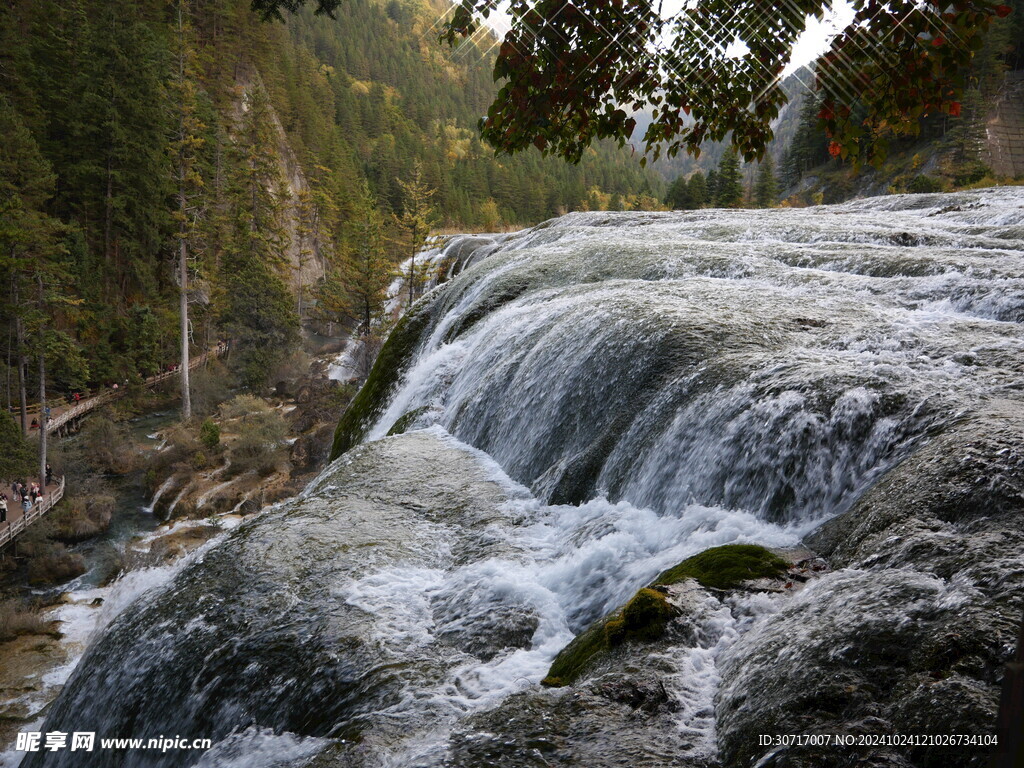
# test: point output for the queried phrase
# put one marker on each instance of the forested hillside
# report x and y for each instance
(949, 151)
(271, 159)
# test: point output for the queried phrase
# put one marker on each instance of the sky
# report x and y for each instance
(812, 43)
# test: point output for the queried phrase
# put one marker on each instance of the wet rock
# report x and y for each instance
(270, 629)
(915, 629)
(668, 606)
(597, 728)
(475, 620)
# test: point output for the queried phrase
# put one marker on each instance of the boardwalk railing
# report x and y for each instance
(8, 533)
(35, 512)
(85, 406)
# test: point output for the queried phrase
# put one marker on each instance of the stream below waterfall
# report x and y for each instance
(576, 408)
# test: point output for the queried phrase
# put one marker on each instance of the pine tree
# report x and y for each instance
(698, 190)
(678, 196)
(729, 186)
(255, 305)
(368, 269)
(417, 218)
(712, 188)
(32, 252)
(766, 189)
(30, 245)
(186, 143)
(316, 214)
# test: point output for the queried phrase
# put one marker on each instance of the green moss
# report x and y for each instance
(393, 359)
(726, 567)
(646, 616)
(406, 420)
(615, 632)
(572, 660)
(643, 619)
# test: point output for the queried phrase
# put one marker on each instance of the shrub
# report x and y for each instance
(108, 446)
(924, 184)
(243, 405)
(209, 434)
(211, 386)
(181, 446)
(82, 516)
(16, 618)
(260, 442)
(55, 564)
(290, 368)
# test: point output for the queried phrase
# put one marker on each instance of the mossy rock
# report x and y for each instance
(643, 619)
(392, 361)
(406, 420)
(726, 567)
(647, 615)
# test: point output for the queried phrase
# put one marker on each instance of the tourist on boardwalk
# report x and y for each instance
(49, 474)
(3, 508)
(25, 505)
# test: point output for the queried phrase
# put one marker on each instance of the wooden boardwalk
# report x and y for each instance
(61, 416)
(18, 520)
(60, 419)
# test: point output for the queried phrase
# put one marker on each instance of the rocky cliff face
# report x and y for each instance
(1005, 128)
(304, 269)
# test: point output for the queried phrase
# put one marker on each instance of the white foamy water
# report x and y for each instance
(639, 388)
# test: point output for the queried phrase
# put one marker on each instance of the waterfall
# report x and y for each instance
(576, 408)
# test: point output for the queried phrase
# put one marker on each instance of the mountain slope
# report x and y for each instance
(346, 108)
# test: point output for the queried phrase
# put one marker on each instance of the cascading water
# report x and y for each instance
(584, 404)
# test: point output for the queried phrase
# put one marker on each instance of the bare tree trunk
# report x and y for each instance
(412, 272)
(19, 330)
(10, 359)
(108, 214)
(186, 392)
(42, 390)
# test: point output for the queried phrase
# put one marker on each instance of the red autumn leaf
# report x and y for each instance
(834, 148)
(938, 41)
(1002, 11)
(826, 114)
(954, 108)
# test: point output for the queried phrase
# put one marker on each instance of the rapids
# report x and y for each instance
(576, 408)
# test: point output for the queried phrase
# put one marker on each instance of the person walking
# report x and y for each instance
(49, 474)
(3, 508)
